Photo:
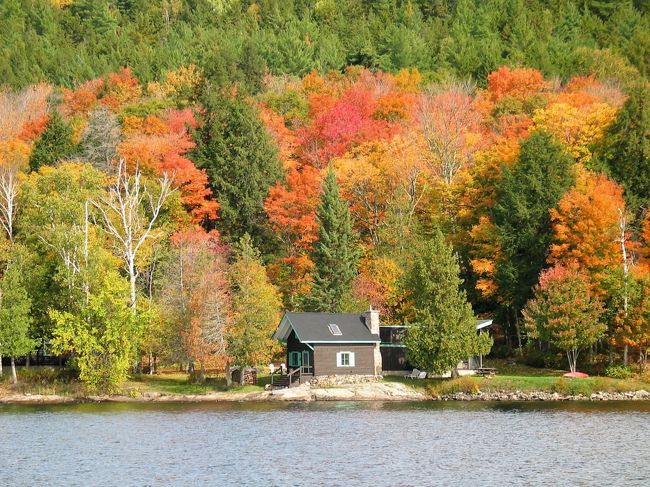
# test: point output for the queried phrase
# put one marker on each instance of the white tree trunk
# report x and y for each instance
(622, 224)
(124, 218)
(14, 378)
(572, 356)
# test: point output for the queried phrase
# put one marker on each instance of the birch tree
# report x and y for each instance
(129, 211)
(8, 194)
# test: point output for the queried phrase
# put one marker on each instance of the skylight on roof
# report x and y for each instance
(334, 329)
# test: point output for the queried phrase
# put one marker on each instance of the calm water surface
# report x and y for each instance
(358, 444)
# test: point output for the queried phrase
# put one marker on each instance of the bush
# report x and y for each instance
(572, 387)
(619, 372)
(535, 358)
(501, 350)
(466, 384)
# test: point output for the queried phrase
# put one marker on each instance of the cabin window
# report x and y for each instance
(294, 359)
(345, 359)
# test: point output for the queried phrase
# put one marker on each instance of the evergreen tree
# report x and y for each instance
(15, 319)
(444, 332)
(55, 144)
(527, 191)
(626, 147)
(335, 254)
(241, 162)
(255, 308)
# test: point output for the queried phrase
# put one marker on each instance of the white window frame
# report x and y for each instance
(339, 359)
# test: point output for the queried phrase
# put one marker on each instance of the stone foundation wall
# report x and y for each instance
(342, 380)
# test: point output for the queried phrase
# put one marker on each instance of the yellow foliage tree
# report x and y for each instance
(576, 128)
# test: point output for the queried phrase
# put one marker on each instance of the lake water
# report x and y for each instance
(351, 444)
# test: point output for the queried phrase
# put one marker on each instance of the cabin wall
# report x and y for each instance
(325, 359)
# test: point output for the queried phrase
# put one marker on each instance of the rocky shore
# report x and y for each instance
(544, 396)
(368, 391)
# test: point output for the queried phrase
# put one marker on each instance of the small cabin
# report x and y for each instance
(331, 343)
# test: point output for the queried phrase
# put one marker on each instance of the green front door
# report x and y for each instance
(306, 361)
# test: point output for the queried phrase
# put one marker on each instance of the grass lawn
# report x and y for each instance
(519, 377)
(55, 381)
(177, 383)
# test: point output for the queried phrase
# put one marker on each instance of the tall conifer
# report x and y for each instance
(444, 332)
(54, 145)
(242, 164)
(335, 254)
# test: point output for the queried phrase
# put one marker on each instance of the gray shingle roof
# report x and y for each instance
(314, 328)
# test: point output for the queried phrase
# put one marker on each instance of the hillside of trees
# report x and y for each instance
(174, 174)
(67, 41)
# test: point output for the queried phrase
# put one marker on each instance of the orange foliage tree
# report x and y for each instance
(586, 225)
(195, 299)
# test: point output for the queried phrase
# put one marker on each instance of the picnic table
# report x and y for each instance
(483, 371)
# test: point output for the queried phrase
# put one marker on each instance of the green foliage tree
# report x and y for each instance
(444, 329)
(527, 191)
(15, 318)
(102, 333)
(241, 162)
(54, 145)
(626, 147)
(564, 312)
(336, 253)
(50, 224)
(255, 308)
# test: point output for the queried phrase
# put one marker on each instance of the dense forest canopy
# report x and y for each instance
(64, 41)
(174, 173)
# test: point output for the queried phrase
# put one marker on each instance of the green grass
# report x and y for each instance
(41, 380)
(57, 381)
(513, 377)
(177, 383)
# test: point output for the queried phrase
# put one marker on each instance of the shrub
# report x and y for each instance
(467, 385)
(535, 358)
(572, 387)
(501, 350)
(619, 372)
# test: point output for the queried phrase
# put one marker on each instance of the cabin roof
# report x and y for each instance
(480, 324)
(314, 328)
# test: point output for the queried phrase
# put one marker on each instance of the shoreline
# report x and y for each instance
(359, 392)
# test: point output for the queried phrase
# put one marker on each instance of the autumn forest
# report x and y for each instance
(175, 174)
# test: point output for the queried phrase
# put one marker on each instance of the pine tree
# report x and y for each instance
(335, 254)
(15, 319)
(626, 147)
(242, 164)
(54, 145)
(528, 190)
(444, 332)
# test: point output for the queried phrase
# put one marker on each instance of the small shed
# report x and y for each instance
(393, 350)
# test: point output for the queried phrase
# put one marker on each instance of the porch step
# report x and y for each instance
(280, 382)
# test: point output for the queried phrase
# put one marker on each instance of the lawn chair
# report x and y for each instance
(422, 375)
(413, 375)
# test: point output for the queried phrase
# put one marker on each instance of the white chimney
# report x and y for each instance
(371, 318)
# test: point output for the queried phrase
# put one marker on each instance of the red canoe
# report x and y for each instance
(576, 375)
